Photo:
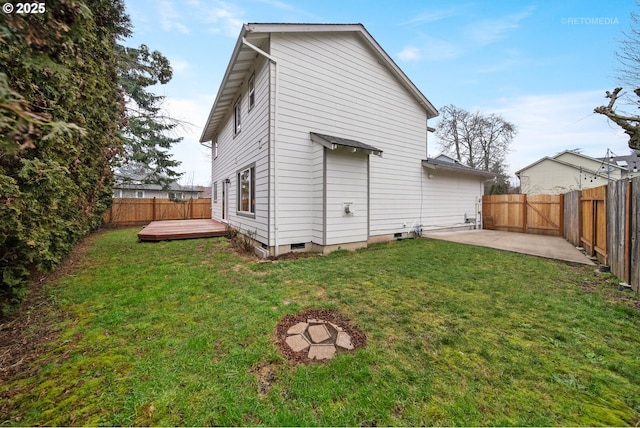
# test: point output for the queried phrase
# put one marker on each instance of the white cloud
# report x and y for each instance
(491, 31)
(438, 49)
(433, 16)
(169, 18)
(221, 17)
(179, 65)
(549, 124)
(430, 48)
(195, 158)
(409, 53)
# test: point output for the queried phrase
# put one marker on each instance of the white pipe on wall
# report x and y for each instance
(275, 139)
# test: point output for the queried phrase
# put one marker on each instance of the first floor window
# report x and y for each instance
(140, 194)
(246, 190)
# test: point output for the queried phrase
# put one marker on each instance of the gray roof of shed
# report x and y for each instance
(331, 142)
(453, 165)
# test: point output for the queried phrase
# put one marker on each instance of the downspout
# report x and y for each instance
(275, 139)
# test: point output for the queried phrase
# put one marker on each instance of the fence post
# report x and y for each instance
(594, 226)
(191, 208)
(627, 234)
(153, 209)
(524, 214)
(580, 219)
(561, 215)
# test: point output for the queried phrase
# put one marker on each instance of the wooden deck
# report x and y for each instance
(169, 230)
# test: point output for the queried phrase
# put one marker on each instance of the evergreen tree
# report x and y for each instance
(59, 95)
(146, 135)
(74, 104)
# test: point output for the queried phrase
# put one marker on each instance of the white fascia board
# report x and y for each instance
(208, 132)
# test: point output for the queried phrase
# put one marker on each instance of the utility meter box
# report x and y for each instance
(348, 209)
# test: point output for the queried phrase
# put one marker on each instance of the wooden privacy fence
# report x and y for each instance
(604, 220)
(536, 214)
(623, 230)
(139, 211)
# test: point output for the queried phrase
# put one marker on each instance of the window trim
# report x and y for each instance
(251, 91)
(177, 195)
(215, 192)
(237, 116)
(252, 191)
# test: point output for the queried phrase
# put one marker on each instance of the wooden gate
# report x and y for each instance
(594, 222)
(535, 214)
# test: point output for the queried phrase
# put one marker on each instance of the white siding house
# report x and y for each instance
(319, 141)
(568, 171)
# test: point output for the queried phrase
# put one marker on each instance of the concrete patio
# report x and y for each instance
(551, 247)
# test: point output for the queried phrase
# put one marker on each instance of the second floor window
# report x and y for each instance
(237, 120)
(252, 91)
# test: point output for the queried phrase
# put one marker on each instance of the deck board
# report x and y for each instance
(169, 230)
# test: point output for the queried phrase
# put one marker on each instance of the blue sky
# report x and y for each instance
(542, 65)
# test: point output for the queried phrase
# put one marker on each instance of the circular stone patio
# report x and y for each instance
(317, 335)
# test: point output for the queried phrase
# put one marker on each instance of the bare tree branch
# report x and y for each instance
(630, 124)
(474, 139)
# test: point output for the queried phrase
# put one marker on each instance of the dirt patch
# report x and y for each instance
(25, 334)
(266, 377)
(608, 286)
(358, 337)
(295, 256)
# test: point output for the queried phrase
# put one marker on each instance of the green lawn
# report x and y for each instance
(177, 333)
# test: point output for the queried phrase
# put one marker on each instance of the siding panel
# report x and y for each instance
(333, 84)
(346, 178)
(249, 147)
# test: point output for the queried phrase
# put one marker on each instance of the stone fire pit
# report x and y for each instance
(317, 335)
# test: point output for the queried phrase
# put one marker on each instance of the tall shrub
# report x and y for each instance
(60, 107)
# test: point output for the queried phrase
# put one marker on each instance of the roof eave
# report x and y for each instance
(210, 129)
(207, 132)
(458, 169)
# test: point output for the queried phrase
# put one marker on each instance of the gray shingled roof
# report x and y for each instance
(437, 164)
(331, 141)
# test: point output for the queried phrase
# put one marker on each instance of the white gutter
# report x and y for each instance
(275, 138)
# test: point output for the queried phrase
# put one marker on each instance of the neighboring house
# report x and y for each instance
(175, 191)
(205, 191)
(630, 162)
(568, 171)
(319, 141)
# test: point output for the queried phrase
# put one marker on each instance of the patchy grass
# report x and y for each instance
(182, 333)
